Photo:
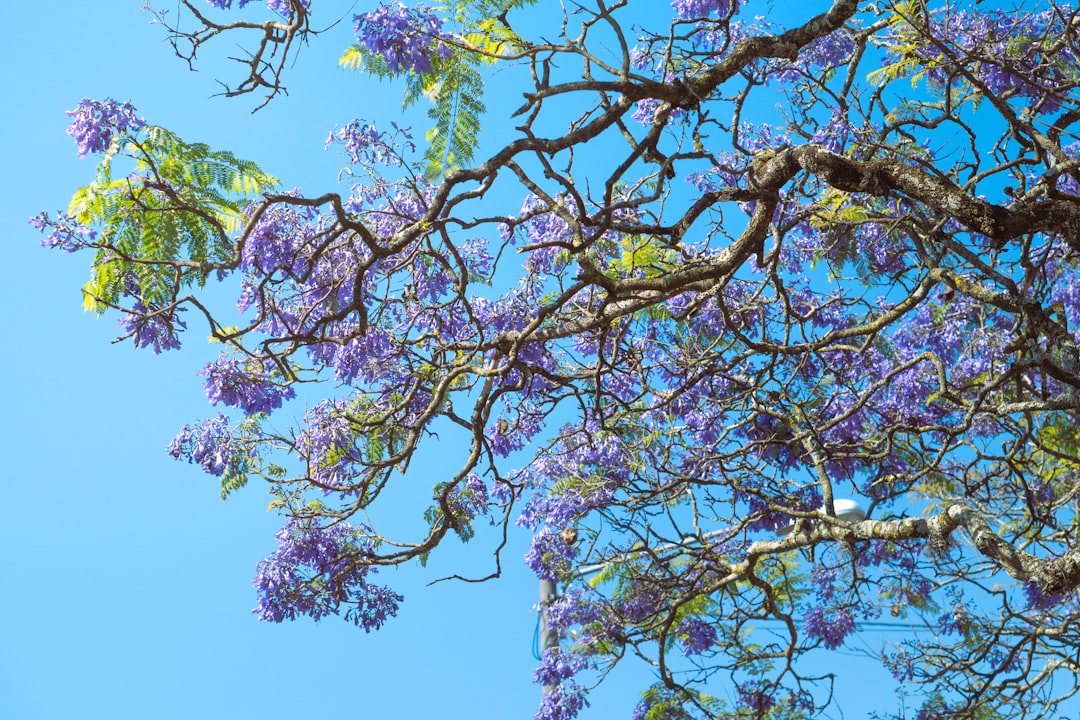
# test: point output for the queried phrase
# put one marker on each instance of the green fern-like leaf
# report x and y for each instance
(180, 204)
(457, 109)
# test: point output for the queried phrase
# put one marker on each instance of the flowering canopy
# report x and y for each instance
(704, 320)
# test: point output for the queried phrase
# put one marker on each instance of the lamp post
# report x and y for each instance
(548, 638)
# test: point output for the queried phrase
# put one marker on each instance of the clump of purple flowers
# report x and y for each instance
(365, 144)
(243, 384)
(564, 702)
(316, 570)
(96, 122)
(697, 636)
(471, 497)
(558, 665)
(67, 234)
(210, 444)
(153, 329)
(282, 7)
(405, 38)
(757, 697)
(550, 556)
(690, 9)
(1038, 600)
(829, 624)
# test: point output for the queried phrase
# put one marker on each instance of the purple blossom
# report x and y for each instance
(365, 145)
(507, 436)
(639, 600)
(954, 622)
(407, 39)
(212, 444)
(1010, 54)
(67, 233)
(558, 665)
(96, 122)
(758, 697)
(692, 9)
(563, 702)
(833, 135)
(283, 7)
(549, 555)
(328, 444)
(247, 385)
(362, 359)
(1038, 600)
(829, 624)
(697, 636)
(901, 664)
(645, 111)
(823, 54)
(471, 497)
(316, 571)
(157, 329)
(575, 608)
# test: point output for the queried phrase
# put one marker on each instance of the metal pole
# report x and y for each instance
(548, 638)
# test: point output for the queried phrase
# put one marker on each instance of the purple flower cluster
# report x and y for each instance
(1038, 600)
(819, 56)
(757, 697)
(282, 7)
(213, 445)
(697, 636)
(366, 145)
(96, 122)
(159, 330)
(955, 622)
(364, 358)
(549, 556)
(564, 702)
(316, 571)
(582, 474)
(247, 385)
(67, 233)
(1011, 54)
(328, 444)
(693, 9)
(830, 624)
(407, 39)
(901, 664)
(471, 497)
(572, 608)
(558, 665)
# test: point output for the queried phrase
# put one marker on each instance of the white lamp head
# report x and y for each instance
(848, 510)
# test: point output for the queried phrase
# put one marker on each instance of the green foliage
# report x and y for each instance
(455, 86)
(906, 42)
(456, 94)
(460, 522)
(641, 256)
(664, 704)
(245, 464)
(167, 220)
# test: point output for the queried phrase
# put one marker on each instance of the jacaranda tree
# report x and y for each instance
(763, 315)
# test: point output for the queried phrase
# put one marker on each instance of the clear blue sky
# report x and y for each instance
(126, 591)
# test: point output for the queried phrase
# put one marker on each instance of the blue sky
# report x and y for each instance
(127, 586)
